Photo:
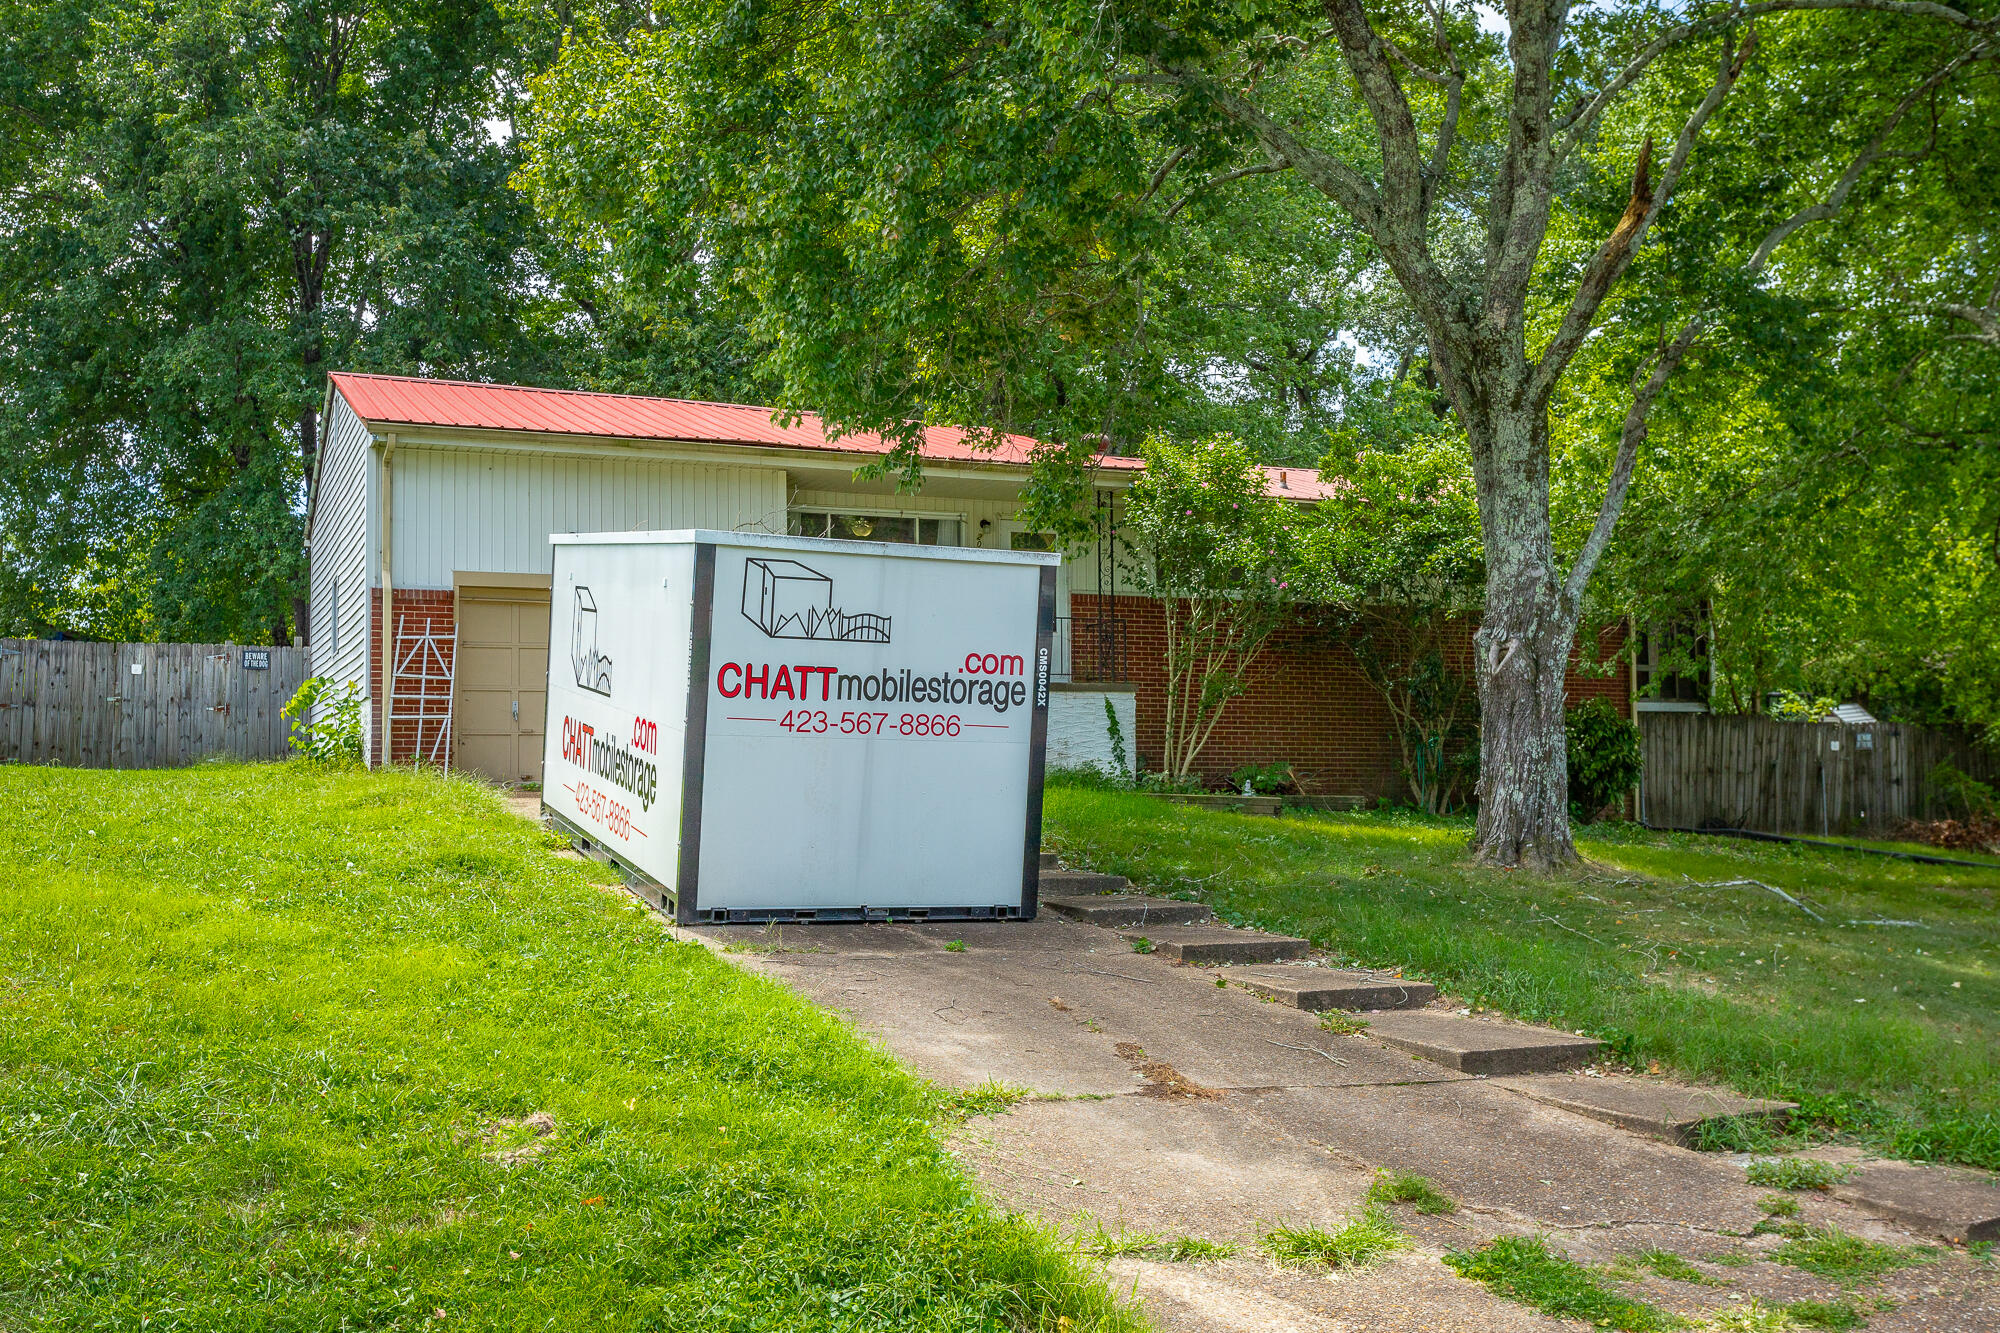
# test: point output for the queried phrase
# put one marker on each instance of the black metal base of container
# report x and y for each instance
(662, 899)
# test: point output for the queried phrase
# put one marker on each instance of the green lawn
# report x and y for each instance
(1887, 1034)
(265, 1032)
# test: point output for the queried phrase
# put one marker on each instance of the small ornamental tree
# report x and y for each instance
(1217, 555)
(1392, 557)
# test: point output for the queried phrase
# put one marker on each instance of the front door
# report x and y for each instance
(501, 682)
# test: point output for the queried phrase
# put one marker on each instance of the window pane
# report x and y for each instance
(874, 527)
(1030, 541)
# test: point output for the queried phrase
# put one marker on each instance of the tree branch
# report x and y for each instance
(1579, 124)
(1439, 166)
(1336, 179)
(1395, 125)
(1261, 169)
(1619, 248)
(1868, 156)
(1633, 433)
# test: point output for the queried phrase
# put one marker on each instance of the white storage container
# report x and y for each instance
(787, 728)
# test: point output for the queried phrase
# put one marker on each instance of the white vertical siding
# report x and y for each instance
(342, 563)
(493, 511)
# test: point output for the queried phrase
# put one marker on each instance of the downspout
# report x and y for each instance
(383, 749)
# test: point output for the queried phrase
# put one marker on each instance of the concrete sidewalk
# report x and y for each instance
(1163, 1102)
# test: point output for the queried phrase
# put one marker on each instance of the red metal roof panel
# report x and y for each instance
(407, 401)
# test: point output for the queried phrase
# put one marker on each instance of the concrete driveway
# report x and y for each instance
(1160, 1101)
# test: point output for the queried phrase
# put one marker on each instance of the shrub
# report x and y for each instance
(1265, 779)
(1603, 757)
(334, 737)
(1959, 794)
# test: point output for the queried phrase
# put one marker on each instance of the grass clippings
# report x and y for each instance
(1101, 1242)
(1162, 1079)
(1753, 1317)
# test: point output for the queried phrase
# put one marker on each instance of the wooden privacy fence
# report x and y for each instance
(143, 705)
(1815, 778)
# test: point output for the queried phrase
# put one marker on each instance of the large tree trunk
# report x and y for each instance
(1523, 759)
(1521, 650)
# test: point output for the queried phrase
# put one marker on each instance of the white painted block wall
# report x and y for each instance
(1079, 733)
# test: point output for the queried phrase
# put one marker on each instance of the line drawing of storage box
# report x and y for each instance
(788, 600)
(593, 669)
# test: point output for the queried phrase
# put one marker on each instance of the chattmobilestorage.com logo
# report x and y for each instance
(980, 682)
(617, 764)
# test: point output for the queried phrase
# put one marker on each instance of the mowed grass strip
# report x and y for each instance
(1885, 1031)
(289, 1048)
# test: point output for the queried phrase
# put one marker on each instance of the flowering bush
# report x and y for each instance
(1217, 554)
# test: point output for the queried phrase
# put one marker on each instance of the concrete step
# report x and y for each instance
(1080, 883)
(1214, 945)
(1050, 861)
(1947, 1202)
(1476, 1046)
(1670, 1110)
(1319, 988)
(1127, 909)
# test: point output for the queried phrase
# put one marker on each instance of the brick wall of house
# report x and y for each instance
(1307, 705)
(413, 608)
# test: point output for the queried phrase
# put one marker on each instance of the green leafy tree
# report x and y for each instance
(1217, 556)
(208, 205)
(956, 212)
(1822, 500)
(1392, 559)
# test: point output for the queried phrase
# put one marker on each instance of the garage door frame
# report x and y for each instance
(483, 585)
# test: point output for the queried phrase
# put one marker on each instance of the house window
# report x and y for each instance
(910, 529)
(1031, 541)
(1672, 667)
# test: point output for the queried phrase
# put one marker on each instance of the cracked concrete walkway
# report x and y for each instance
(1165, 1103)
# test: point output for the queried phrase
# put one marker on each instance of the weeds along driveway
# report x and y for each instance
(1143, 1106)
(283, 1048)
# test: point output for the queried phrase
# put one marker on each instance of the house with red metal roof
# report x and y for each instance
(433, 504)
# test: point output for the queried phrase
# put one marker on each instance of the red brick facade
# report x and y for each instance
(1308, 705)
(414, 609)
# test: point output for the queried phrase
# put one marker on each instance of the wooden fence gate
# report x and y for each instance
(1812, 778)
(144, 705)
